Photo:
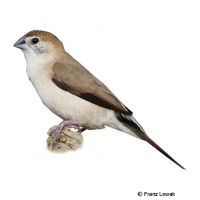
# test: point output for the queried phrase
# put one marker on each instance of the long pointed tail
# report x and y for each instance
(131, 123)
(151, 142)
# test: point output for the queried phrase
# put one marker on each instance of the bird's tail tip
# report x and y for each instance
(156, 146)
(135, 127)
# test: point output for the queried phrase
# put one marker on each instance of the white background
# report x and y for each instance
(148, 53)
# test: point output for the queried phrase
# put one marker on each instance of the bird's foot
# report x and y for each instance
(66, 123)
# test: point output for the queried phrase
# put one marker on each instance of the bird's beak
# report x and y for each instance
(20, 43)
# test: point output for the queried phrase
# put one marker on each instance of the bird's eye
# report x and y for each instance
(35, 40)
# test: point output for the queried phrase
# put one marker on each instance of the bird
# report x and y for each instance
(74, 94)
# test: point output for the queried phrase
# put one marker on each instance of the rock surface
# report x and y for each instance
(67, 140)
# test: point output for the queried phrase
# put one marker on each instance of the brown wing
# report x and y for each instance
(71, 76)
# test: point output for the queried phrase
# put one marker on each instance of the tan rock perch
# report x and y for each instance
(68, 140)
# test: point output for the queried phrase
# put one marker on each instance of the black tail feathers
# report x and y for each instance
(133, 125)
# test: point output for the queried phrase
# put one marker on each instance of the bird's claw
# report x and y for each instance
(56, 131)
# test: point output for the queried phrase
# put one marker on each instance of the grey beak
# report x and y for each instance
(20, 43)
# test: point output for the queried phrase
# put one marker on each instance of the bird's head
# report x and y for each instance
(39, 44)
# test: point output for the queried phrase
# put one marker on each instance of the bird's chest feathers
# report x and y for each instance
(40, 76)
(53, 97)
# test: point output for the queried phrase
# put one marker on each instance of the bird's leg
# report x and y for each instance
(66, 123)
